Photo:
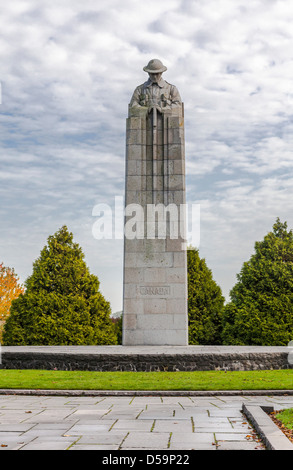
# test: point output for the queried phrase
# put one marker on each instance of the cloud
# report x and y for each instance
(68, 71)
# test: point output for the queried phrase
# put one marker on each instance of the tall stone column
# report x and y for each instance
(155, 261)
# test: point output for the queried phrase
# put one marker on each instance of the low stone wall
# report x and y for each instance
(51, 359)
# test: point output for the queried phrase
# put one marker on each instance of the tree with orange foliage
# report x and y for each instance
(9, 289)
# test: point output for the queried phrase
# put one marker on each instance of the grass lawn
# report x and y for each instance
(198, 380)
(286, 417)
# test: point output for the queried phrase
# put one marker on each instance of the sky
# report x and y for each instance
(68, 71)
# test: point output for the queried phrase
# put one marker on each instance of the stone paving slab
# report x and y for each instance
(236, 445)
(141, 440)
(148, 350)
(130, 423)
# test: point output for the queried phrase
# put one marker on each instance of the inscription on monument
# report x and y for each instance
(155, 290)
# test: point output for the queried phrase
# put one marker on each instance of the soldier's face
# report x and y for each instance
(155, 77)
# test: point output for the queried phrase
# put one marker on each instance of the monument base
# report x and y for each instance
(146, 358)
(153, 337)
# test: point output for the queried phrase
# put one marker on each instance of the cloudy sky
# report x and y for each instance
(68, 70)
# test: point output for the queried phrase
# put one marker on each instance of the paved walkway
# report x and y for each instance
(129, 423)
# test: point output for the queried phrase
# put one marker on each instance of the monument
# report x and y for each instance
(155, 259)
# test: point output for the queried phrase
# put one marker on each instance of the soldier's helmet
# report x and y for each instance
(155, 66)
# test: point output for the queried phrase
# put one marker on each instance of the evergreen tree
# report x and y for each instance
(205, 302)
(261, 307)
(62, 304)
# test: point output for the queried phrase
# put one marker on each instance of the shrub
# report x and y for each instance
(261, 308)
(205, 302)
(62, 304)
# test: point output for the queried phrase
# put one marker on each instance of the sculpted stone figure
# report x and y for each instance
(156, 92)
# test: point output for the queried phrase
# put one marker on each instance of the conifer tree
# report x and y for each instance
(261, 308)
(62, 304)
(205, 302)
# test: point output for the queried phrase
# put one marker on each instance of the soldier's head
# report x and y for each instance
(155, 68)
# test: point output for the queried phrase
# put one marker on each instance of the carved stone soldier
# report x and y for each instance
(156, 92)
